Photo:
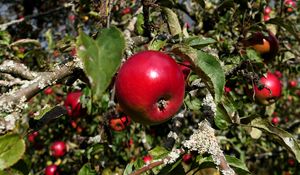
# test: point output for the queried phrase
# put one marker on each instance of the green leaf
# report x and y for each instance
(139, 24)
(158, 152)
(226, 112)
(128, 169)
(5, 38)
(207, 68)
(253, 55)
(86, 170)
(49, 39)
(286, 24)
(198, 42)
(173, 21)
(101, 58)
(157, 44)
(281, 136)
(11, 171)
(192, 103)
(235, 163)
(219, 120)
(175, 168)
(12, 148)
(238, 165)
(43, 111)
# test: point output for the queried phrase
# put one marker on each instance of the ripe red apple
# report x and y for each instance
(125, 11)
(291, 162)
(270, 92)
(48, 91)
(150, 87)
(278, 74)
(291, 4)
(72, 104)
(119, 124)
(147, 159)
(263, 47)
(266, 45)
(32, 136)
(267, 10)
(187, 158)
(275, 120)
(293, 83)
(227, 89)
(51, 170)
(58, 149)
(267, 17)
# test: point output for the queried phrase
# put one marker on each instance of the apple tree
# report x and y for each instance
(149, 87)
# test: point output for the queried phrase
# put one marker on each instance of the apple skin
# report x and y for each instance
(267, 10)
(278, 74)
(275, 120)
(293, 83)
(125, 11)
(147, 159)
(271, 91)
(119, 124)
(266, 45)
(32, 136)
(150, 87)
(187, 158)
(58, 149)
(73, 105)
(48, 91)
(51, 170)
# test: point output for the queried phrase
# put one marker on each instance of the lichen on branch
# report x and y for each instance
(203, 140)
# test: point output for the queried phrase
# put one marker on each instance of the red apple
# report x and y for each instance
(147, 159)
(125, 11)
(266, 45)
(291, 5)
(32, 136)
(293, 83)
(119, 124)
(227, 89)
(270, 92)
(267, 17)
(72, 17)
(48, 91)
(51, 170)
(150, 87)
(267, 10)
(275, 120)
(187, 158)
(72, 104)
(278, 74)
(58, 149)
(263, 47)
(291, 162)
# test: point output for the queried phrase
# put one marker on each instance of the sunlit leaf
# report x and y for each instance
(12, 148)
(158, 152)
(86, 170)
(207, 68)
(101, 58)
(281, 136)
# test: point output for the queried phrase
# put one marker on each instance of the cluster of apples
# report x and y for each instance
(58, 149)
(291, 5)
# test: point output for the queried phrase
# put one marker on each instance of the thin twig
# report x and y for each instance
(5, 25)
